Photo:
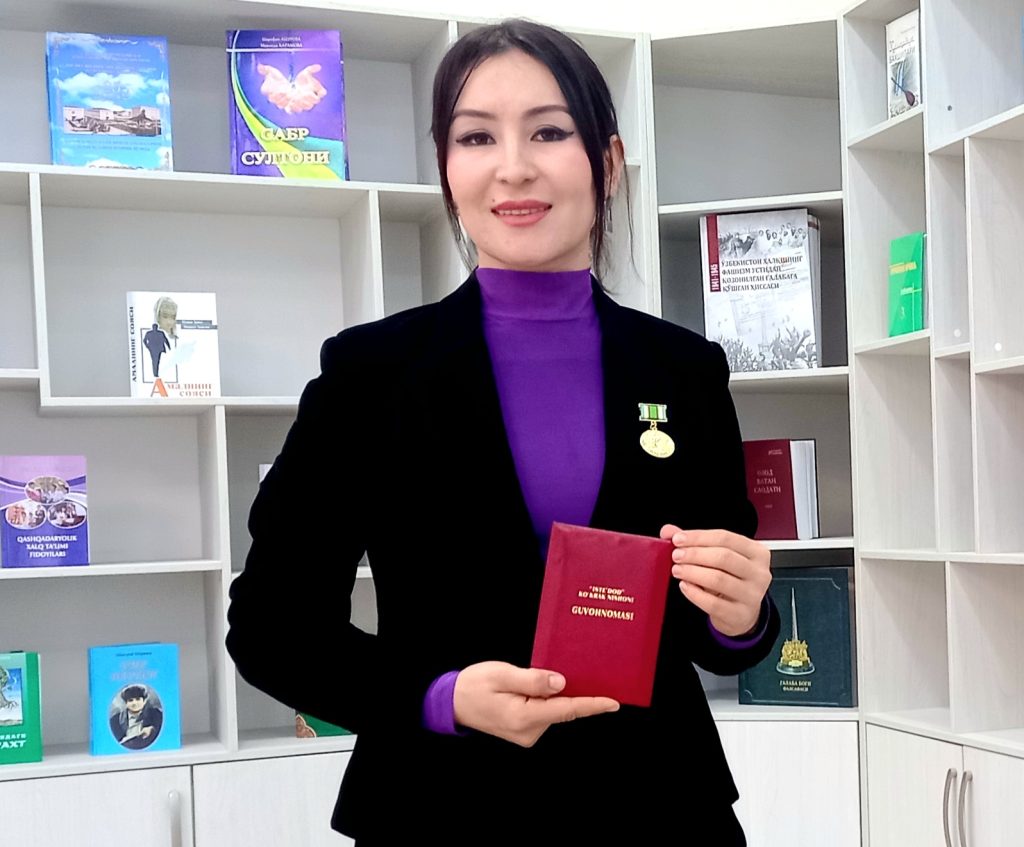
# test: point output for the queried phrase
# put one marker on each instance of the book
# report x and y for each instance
(782, 484)
(134, 698)
(21, 727)
(903, 59)
(907, 283)
(306, 726)
(109, 98)
(45, 511)
(762, 288)
(172, 344)
(601, 611)
(813, 659)
(286, 103)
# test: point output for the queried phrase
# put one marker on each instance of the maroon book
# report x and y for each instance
(601, 611)
(781, 483)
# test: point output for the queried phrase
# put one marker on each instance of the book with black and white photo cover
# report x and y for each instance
(21, 726)
(903, 61)
(761, 288)
(110, 103)
(172, 344)
(135, 699)
(44, 512)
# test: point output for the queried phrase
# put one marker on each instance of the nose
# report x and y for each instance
(515, 162)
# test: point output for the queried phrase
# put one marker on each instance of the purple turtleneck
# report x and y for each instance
(544, 339)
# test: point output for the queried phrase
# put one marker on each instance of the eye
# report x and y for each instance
(554, 133)
(468, 140)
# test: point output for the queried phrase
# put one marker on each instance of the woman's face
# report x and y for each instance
(512, 140)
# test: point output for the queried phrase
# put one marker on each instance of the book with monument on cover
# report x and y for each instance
(44, 511)
(601, 610)
(21, 736)
(172, 344)
(812, 662)
(110, 103)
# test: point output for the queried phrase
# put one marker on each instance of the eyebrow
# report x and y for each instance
(529, 113)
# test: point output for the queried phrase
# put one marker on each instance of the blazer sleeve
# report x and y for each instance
(724, 491)
(289, 629)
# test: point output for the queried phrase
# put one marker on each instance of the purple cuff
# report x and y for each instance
(743, 641)
(439, 706)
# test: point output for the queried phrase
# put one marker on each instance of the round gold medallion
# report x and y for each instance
(657, 443)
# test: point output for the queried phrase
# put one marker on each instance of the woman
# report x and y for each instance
(453, 435)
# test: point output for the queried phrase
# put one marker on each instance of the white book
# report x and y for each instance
(903, 60)
(761, 301)
(172, 344)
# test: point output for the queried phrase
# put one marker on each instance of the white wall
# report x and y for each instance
(653, 16)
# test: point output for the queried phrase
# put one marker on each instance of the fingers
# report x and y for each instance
(717, 538)
(714, 581)
(530, 682)
(669, 530)
(565, 709)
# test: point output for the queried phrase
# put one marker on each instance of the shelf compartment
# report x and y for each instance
(270, 743)
(724, 707)
(19, 378)
(986, 662)
(954, 459)
(971, 64)
(885, 200)
(827, 420)
(896, 496)
(903, 133)
(902, 618)
(143, 477)
(909, 344)
(95, 571)
(710, 89)
(833, 380)
(17, 315)
(954, 351)
(995, 220)
(390, 61)
(95, 612)
(865, 71)
(946, 297)
(999, 456)
(262, 307)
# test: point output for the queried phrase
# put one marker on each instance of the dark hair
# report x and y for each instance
(584, 88)
(132, 692)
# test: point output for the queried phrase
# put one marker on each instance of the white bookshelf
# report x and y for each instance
(937, 415)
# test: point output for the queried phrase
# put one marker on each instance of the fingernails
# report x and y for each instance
(677, 571)
(556, 681)
(679, 538)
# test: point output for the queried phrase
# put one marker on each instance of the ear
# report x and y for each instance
(614, 161)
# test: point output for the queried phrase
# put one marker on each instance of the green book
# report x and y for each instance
(21, 733)
(906, 284)
(812, 660)
(306, 726)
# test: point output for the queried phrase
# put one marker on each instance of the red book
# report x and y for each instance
(782, 485)
(601, 610)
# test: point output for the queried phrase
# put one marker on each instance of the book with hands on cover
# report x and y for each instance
(601, 610)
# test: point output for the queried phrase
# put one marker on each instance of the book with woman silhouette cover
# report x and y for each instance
(21, 736)
(134, 698)
(286, 103)
(601, 610)
(110, 103)
(44, 511)
(172, 344)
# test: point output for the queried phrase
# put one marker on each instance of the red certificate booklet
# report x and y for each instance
(601, 610)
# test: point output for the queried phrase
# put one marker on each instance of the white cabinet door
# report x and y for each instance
(799, 782)
(269, 802)
(907, 776)
(994, 801)
(141, 808)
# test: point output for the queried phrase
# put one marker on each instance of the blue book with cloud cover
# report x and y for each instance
(110, 104)
(135, 698)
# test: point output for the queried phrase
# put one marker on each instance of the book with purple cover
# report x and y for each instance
(44, 510)
(601, 611)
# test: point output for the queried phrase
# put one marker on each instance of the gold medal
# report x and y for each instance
(655, 442)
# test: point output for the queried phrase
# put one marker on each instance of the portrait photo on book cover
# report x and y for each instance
(136, 716)
(11, 713)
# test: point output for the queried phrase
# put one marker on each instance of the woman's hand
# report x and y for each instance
(722, 573)
(518, 704)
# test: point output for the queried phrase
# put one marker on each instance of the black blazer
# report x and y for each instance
(399, 450)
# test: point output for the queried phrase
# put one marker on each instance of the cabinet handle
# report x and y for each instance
(950, 776)
(961, 817)
(174, 803)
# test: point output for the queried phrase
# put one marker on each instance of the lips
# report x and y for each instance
(520, 208)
